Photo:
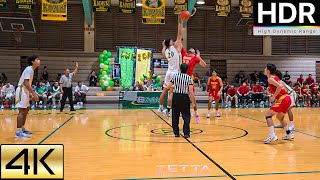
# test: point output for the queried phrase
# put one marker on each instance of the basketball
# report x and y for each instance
(185, 15)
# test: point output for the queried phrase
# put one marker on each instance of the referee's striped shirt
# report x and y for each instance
(181, 83)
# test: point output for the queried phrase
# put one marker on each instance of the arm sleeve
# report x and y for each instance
(27, 73)
(197, 60)
(61, 80)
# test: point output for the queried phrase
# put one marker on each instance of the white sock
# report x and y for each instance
(161, 106)
(19, 129)
(287, 128)
(196, 113)
(272, 133)
(291, 124)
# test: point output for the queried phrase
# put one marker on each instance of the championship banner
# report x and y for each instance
(126, 59)
(153, 11)
(3, 4)
(54, 10)
(127, 6)
(179, 6)
(143, 61)
(223, 7)
(101, 5)
(24, 4)
(246, 8)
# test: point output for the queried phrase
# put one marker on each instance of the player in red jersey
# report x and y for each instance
(315, 94)
(192, 58)
(214, 87)
(280, 108)
(306, 94)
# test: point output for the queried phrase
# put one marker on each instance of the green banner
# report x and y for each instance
(179, 6)
(126, 60)
(101, 5)
(153, 11)
(25, 4)
(3, 4)
(127, 6)
(139, 99)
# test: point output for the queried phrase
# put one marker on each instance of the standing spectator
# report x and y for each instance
(137, 87)
(240, 78)
(310, 80)
(42, 92)
(7, 93)
(254, 77)
(232, 95)
(286, 78)
(300, 80)
(80, 93)
(66, 88)
(93, 78)
(44, 74)
(55, 93)
(243, 93)
(257, 93)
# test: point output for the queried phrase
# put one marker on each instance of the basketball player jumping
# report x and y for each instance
(22, 96)
(172, 51)
(214, 87)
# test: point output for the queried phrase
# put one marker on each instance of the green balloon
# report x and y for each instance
(159, 83)
(104, 72)
(101, 60)
(103, 87)
(120, 80)
(100, 76)
(101, 55)
(101, 71)
(157, 79)
(109, 54)
(105, 58)
(109, 59)
(106, 62)
(105, 52)
(108, 79)
(109, 67)
(108, 71)
(111, 83)
(141, 78)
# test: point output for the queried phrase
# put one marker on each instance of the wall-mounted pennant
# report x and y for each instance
(54, 10)
(127, 6)
(246, 8)
(3, 4)
(153, 11)
(101, 5)
(223, 7)
(24, 4)
(179, 6)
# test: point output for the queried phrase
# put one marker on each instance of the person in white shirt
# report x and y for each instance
(7, 93)
(80, 93)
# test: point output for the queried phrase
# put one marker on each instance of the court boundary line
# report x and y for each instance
(197, 148)
(49, 135)
(298, 131)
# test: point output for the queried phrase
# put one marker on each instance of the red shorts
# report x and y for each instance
(282, 105)
(215, 95)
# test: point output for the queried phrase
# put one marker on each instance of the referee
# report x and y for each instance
(66, 88)
(183, 93)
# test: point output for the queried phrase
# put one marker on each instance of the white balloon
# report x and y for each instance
(102, 65)
(106, 83)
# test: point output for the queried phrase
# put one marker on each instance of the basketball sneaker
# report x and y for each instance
(166, 113)
(278, 126)
(197, 119)
(26, 131)
(217, 115)
(291, 128)
(160, 110)
(22, 135)
(270, 139)
(208, 115)
(289, 136)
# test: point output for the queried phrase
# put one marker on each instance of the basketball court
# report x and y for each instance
(139, 144)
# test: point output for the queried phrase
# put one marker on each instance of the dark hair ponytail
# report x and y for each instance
(272, 68)
(279, 74)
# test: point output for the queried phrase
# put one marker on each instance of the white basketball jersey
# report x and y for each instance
(174, 59)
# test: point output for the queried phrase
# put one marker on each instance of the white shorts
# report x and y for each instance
(22, 98)
(168, 77)
(293, 97)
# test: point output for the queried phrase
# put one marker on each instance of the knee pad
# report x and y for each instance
(267, 117)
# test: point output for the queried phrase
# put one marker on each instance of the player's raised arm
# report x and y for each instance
(164, 48)
(202, 62)
(178, 43)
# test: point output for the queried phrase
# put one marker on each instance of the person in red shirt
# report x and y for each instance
(214, 87)
(306, 94)
(257, 93)
(280, 108)
(315, 94)
(243, 93)
(232, 95)
(300, 80)
(310, 80)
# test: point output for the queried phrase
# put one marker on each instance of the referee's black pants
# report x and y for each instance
(67, 93)
(181, 104)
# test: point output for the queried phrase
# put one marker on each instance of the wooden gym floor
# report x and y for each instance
(139, 144)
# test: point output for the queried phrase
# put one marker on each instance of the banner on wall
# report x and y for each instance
(223, 7)
(54, 10)
(179, 6)
(101, 5)
(246, 8)
(140, 100)
(143, 63)
(126, 58)
(24, 4)
(3, 4)
(127, 6)
(153, 11)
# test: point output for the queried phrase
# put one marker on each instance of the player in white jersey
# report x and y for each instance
(23, 96)
(172, 51)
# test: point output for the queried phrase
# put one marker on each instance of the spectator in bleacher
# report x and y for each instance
(80, 93)
(315, 94)
(232, 95)
(44, 74)
(310, 81)
(226, 86)
(58, 77)
(7, 93)
(42, 92)
(196, 79)
(306, 94)
(55, 94)
(137, 87)
(47, 83)
(297, 89)
(300, 80)
(286, 78)
(148, 86)
(257, 93)
(243, 94)
(240, 78)
(263, 78)
(154, 85)
(254, 77)
(93, 78)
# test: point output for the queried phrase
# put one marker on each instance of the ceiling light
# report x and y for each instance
(201, 2)
(139, 3)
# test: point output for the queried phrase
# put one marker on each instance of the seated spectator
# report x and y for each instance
(225, 89)
(263, 78)
(240, 78)
(310, 80)
(254, 77)
(93, 78)
(7, 94)
(80, 93)
(42, 91)
(55, 94)
(306, 94)
(148, 86)
(154, 85)
(315, 94)
(243, 94)
(137, 87)
(300, 80)
(257, 93)
(3, 79)
(286, 78)
(196, 79)
(47, 83)
(297, 89)
(232, 95)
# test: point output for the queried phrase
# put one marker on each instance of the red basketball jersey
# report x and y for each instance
(273, 88)
(214, 85)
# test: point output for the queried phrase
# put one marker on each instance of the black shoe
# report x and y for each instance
(177, 135)
(72, 110)
(61, 110)
(186, 136)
